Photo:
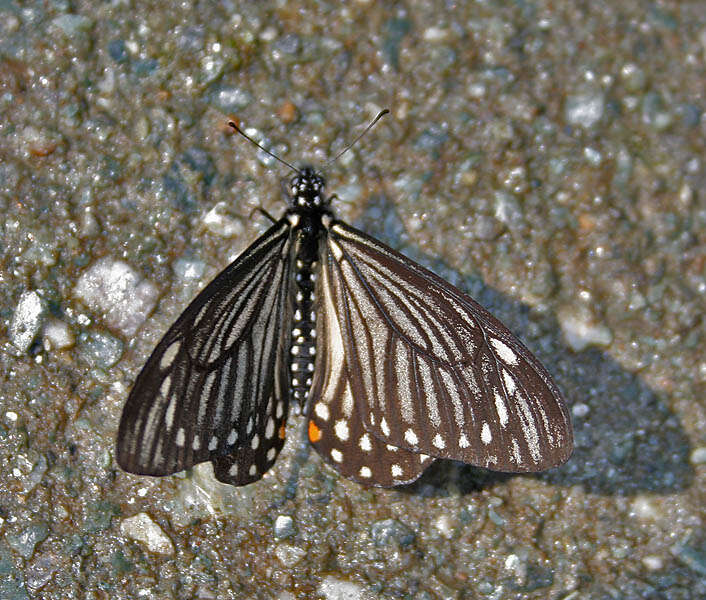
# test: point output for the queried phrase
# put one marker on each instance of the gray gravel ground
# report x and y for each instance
(546, 157)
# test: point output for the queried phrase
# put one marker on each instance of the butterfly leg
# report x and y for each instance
(263, 212)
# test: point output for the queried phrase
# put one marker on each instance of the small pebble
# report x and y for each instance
(143, 529)
(26, 320)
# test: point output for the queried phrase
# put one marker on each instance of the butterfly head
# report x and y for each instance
(307, 189)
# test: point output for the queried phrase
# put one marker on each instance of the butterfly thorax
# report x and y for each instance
(307, 191)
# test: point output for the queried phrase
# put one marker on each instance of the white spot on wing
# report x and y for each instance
(485, 436)
(206, 393)
(365, 472)
(452, 390)
(529, 428)
(335, 351)
(439, 442)
(385, 428)
(337, 455)
(341, 429)
(509, 383)
(517, 457)
(500, 408)
(364, 443)
(180, 437)
(164, 388)
(405, 387)
(396, 470)
(322, 411)
(411, 437)
(504, 352)
(232, 437)
(222, 385)
(347, 402)
(270, 428)
(429, 391)
(169, 355)
(169, 414)
(336, 250)
(201, 314)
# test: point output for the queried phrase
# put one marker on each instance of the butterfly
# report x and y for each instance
(392, 366)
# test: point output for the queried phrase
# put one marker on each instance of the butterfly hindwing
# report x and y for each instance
(345, 444)
(215, 387)
(335, 426)
(431, 371)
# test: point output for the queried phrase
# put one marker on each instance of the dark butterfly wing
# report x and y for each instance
(215, 387)
(432, 371)
(335, 426)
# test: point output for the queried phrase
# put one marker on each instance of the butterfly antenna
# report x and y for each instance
(265, 150)
(381, 114)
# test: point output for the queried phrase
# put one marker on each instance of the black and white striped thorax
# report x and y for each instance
(307, 191)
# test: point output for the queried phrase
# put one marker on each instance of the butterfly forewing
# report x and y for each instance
(431, 371)
(215, 387)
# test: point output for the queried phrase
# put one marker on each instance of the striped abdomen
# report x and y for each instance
(303, 347)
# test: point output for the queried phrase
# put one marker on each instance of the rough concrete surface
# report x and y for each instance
(546, 157)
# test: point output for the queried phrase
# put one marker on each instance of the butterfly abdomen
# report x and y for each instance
(302, 353)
